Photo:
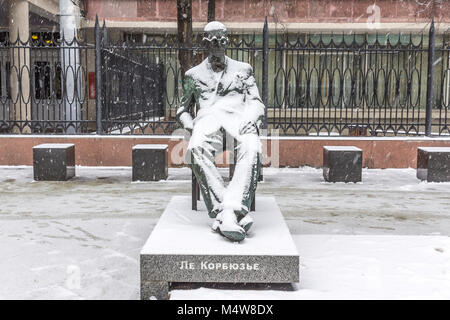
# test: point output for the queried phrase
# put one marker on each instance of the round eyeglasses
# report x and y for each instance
(214, 40)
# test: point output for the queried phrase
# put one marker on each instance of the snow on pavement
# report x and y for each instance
(386, 237)
(358, 267)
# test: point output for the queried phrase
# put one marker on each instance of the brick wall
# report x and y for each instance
(341, 11)
(292, 151)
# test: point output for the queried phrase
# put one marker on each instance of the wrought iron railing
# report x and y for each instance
(352, 84)
(44, 85)
(442, 61)
(133, 90)
(312, 84)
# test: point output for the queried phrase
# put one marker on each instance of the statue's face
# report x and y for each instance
(216, 42)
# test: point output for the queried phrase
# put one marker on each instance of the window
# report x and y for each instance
(46, 39)
(4, 38)
(42, 80)
(47, 82)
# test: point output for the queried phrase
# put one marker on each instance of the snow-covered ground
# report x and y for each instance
(387, 237)
(358, 267)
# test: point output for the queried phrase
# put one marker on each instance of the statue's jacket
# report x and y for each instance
(235, 92)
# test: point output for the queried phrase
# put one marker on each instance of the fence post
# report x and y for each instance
(430, 78)
(104, 34)
(98, 75)
(265, 75)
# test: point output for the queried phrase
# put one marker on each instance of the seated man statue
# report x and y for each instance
(227, 98)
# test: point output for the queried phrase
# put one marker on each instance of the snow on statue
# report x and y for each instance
(227, 98)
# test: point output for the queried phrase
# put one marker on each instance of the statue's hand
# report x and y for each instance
(248, 127)
(189, 129)
(187, 122)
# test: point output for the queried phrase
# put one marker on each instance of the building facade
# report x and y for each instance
(294, 15)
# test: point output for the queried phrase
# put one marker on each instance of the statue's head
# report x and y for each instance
(215, 38)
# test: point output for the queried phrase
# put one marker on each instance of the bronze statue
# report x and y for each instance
(227, 98)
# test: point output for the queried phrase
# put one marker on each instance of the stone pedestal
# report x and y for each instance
(150, 162)
(433, 164)
(342, 164)
(183, 248)
(54, 161)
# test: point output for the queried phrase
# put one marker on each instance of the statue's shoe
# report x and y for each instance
(215, 225)
(241, 212)
(236, 236)
(217, 221)
(229, 227)
(246, 222)
(217, 209)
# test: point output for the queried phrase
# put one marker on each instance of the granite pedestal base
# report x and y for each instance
(54, 161)
(183, 248)
(433, 164)
(342, 164)
(150, 162)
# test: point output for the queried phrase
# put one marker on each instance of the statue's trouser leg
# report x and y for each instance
(205, 142)
(241, 190)
(208, 178)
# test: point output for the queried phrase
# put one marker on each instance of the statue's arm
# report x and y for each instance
(254, 110)
(183, 115)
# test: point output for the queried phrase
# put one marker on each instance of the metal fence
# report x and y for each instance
(132, 90)
(44, 85)
(354, 84)
(312, 84)
(442, 89)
